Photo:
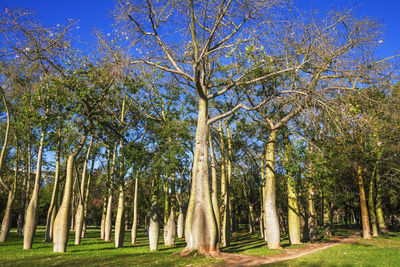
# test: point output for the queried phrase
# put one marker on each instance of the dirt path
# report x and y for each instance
(252, 260)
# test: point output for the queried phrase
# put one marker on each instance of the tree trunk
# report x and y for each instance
(214, 194)
(312, 215)
(293, 212)
(51, 213)
(363, 205)
(379, 210)
(119, 231)
(61, 229)
(79, 216)
(154, 227)
(251, 219)
(22, 204)
(200, 225)
(271, 214)
(371, 205)
(6, 223)
(181, 222)
(108, 221)
(85, 201)
(170, 226)
(103, 218)
(225, 228)
(326, 217)
(135, 210)
(31, 212)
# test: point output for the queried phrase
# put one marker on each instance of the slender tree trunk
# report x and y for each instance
(371, 205)
(61, 229)
(326, 217)
(379, 210)
(271, 214)
(251, 219)
(225, 228)
(85, 201)
(312, 214)
(228, 201)
(214, 194)
(21, 213)
(103, 218)
(6, 223)
(135, 210)
(363, 205)
(261, 218)
(80, 209)
(31, 212)
(51, 213)
(108, 222)
(200, 225)
(293, 212)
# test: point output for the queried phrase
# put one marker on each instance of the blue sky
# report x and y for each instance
(92, 13)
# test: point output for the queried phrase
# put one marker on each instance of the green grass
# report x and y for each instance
(380, 251)
(95, 252)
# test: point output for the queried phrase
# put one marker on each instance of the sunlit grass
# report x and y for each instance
(95, 252)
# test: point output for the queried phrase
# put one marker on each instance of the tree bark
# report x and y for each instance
(170, 226)
(326, 216)
(31, 212)
(225, 228)
(79, 216)
(200, 225)
(293, 212)
(51, 213)
(6, 222)
(154, 227)
(103, 219)
(379, 210)
(214, 193)
(363, 205)
(371, 205)
(119, 231)
(135, 210)
(271, 214)
(85, 201)
(108, 220)
(312, 215)
(61, 229)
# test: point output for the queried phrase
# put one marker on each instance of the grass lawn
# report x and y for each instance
(95, 252)
(381, 251)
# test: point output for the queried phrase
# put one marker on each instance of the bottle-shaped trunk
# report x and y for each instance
(31, 212)
(154, 225)
(363, 204)
(61, 229)
(120, 219)
(200, 224)
(108, 219)
(181, 223)
(271, 214)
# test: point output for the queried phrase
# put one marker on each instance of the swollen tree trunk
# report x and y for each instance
(135, 210)
(80, 209)
(120, 218)
(371, 205)
(214, 193)
(379, 210)
(271, 214)
(51, 213)
(200, 225)
(312, 214)
(154, 227)
(363, 205)
(61, 229)
(31, 212)
(293, 212)
(170, 226)
(181, 222)
(6, 223)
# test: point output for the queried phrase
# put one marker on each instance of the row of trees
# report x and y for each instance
(290, 110)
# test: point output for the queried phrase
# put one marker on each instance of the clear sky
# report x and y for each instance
(96, 13)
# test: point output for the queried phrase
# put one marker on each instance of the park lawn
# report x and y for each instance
(380, 251)
(95, 252)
